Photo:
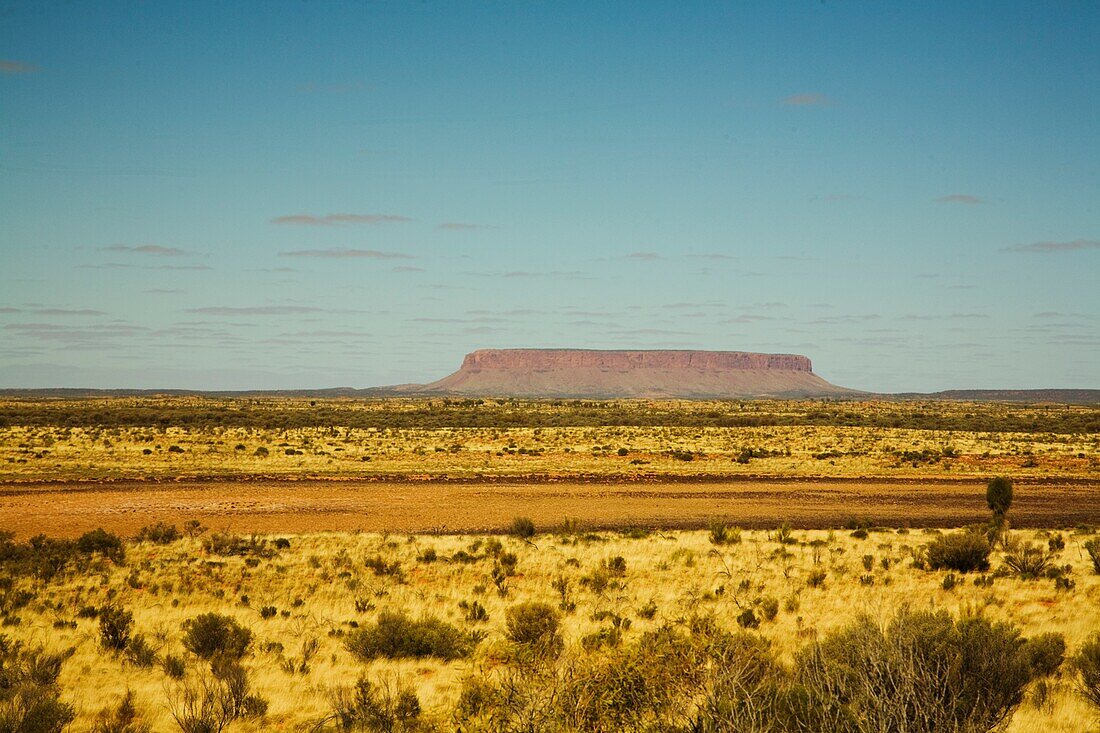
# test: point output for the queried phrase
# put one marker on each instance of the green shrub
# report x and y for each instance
(535, 625)
(211, 635)
(396, 636)
(963, 552)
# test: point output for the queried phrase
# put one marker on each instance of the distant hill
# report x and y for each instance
(607, 374)
(1060, 396)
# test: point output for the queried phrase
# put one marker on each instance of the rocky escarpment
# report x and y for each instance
(600, 373)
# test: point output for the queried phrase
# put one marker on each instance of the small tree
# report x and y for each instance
(998, 495)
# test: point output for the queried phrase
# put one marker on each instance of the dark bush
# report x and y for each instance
(212, 634)
(1093, 549)
(159, 533)
(379, 566)
(1028, 560)
(1087, 664)
(229, 545)
(523, 527)
(173, 667)
(125, 717)
(535, 625)
(1045, 653)
(923, 673)
(722, 534)
(998, 495)
(29, 694)
(396, 636)
(115, 625)
(387, 707)
(963, 552)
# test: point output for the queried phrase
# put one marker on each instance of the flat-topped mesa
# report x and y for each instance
(608, 359)
(615, 373)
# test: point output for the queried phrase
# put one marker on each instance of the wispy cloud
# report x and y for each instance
(461, 226)
(124, 266)
(147, 249)
(68, 312)
(712, 256)
(16, 67)
(259, 310)
(163, 291)
(338, 253)
(336, 219)
(407, 268)
(1074, 246)
(643, 256)
(518, 274)
(960, 198)
(807, 100)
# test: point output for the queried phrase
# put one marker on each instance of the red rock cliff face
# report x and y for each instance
(625, 360)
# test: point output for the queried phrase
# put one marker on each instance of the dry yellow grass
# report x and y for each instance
(315, 583)
(194, 437)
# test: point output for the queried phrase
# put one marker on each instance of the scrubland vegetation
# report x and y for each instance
(199, 437)
(554, 629)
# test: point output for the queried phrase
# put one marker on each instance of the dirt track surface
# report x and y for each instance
(68, 509)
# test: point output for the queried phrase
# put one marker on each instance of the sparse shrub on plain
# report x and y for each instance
(963, 552)
(388, 706)
(124, 717)
(924, 672)
(211, 635)
(230, 545)
(535, 626)
(784, 535)
(173, 667)
(1028, 560)
(1045, 653)
(115, 625)
(723, 534)
(1087, 665)
(522, 527)
(159, 533)
(381, 567)
(396, 636)
(29, 695)
(1092, 547)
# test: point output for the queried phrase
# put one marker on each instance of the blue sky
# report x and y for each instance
(314, 194)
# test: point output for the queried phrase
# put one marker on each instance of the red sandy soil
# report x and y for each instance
(69, 509)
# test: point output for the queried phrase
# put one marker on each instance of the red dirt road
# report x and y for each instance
(69, 509)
